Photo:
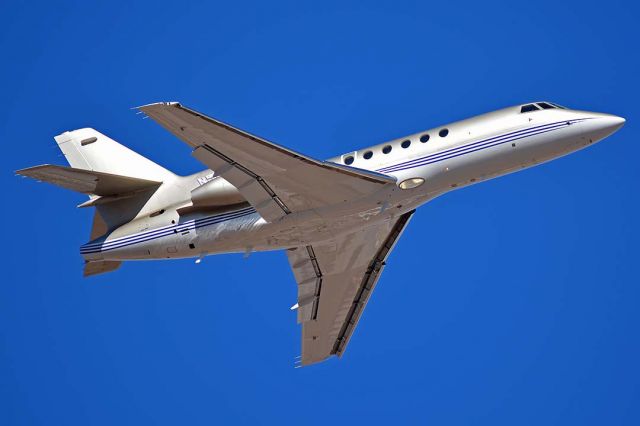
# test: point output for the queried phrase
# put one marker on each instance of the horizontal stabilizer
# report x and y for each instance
(87, 181)
(100, 267)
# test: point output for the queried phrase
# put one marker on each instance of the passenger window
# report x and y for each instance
(348, 160)
(443, 133)
(386, 149)
(406, 144)
(424, 138)
(367, 155)
(528, 108)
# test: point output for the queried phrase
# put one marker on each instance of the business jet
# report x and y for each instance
(338, 220)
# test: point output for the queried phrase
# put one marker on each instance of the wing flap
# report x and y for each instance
(87, 181)
(251, 186)
(337, 288)
(309, 278)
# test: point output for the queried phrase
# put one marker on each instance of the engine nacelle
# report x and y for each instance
(216, 192)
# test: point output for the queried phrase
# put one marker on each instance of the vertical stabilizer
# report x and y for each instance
(89, 149)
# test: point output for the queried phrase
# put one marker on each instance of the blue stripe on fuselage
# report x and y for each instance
(163, 232)
(507, 137)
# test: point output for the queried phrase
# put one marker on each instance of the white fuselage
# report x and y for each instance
(467, 152)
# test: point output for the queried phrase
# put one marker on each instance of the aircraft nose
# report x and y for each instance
(610, 124)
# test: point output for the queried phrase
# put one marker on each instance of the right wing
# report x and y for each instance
(335, 280)
(275, 180)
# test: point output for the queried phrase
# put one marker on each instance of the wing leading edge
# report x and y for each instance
(335, 280)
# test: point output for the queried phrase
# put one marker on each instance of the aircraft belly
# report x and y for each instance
(249, 232)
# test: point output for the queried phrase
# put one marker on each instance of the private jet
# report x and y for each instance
(338, 220)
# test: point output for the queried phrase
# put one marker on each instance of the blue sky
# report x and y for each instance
(510, 302)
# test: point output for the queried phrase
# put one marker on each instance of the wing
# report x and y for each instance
(87, 181)
(275, 180)
(335, 281)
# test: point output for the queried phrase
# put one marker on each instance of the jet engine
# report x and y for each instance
(216, 193)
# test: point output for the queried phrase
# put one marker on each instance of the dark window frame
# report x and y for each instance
(546, 105)
(529, 108)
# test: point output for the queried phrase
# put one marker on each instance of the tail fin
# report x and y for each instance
(89, 149)
(95, 267)
(121, 183)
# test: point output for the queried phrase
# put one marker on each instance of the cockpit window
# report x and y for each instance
(545, 105)
(528, 108)
(557, 106)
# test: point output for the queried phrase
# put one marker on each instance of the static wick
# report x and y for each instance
(247, 252)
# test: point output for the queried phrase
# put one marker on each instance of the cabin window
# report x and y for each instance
(386, 149)
(367, 155)
(424, 138)
(443, 133)
(405, 144)
(528, 108)
(348, 160)
(158, 213)
(192, 246)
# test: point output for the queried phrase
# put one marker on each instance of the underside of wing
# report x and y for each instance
(274, 179)
(335, 280)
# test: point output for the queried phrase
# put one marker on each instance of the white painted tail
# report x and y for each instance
(89, 149)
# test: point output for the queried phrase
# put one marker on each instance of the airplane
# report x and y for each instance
(337, 220)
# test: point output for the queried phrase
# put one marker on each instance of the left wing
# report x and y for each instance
(275, 180)
(335, 280)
